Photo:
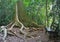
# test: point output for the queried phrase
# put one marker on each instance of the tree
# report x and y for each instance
(18, 17)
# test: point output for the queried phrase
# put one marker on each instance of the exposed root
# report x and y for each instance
(11, 26)
(17, 20)
(15, 34)
(5, 33)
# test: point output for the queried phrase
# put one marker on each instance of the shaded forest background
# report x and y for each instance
(30, 12)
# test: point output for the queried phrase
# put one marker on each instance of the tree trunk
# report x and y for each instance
(23, 16)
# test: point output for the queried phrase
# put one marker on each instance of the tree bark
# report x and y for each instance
(23, 16)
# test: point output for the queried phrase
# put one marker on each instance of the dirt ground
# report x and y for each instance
(38, 36)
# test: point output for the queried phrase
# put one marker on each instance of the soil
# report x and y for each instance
(37, 36)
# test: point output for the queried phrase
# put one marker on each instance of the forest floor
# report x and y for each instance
(38, 36)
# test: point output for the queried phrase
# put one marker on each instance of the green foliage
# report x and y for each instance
(6, 11)
(54, 12)
(36, 10)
